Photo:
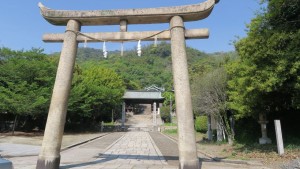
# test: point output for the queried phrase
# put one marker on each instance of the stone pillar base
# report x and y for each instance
(48, 163)
(265, 140)
(189, 164)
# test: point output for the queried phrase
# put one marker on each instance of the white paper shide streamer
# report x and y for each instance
(85, 43)
(155, 41)
(139, 48)
(104, 50)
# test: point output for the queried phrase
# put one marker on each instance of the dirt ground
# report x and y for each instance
(37, 138)
(269, 157)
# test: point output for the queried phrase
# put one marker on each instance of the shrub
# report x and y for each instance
(201, 124)
(165, 114)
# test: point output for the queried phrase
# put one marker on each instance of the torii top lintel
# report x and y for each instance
(132, 16)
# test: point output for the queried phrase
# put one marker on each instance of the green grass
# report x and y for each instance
(291, 143)
(170, 124)
(171, 131)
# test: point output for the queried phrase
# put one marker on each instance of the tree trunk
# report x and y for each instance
(219, 130)
(232, 122)
(209, 131)
(112, 115)
(230, 140)
(14, 126)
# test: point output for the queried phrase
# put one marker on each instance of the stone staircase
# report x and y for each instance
(142, 121)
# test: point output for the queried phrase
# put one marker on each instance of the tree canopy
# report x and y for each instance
(26, 80)
(266, 78)
(95, 92)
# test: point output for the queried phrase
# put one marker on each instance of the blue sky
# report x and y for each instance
(22, 26)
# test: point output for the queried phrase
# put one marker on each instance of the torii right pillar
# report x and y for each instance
(188, 158)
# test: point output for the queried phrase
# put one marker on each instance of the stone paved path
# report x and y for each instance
(133, 150)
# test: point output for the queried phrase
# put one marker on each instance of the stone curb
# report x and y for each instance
(83, 142)
(12, 156)
(161, 157)
(216, 159)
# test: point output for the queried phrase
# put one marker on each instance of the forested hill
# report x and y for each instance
(162, 50)
(153, 67)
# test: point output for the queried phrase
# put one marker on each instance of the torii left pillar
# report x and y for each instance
(49, 157)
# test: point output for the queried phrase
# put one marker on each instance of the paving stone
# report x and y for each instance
(117, 155)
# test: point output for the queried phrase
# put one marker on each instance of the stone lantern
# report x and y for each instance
(263, 124)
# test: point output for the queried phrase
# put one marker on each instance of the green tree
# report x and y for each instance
(208, 88)
(266, 77)
(209, 98)
(26, 79)
(95, 92)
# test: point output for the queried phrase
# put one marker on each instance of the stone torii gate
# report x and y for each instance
(49, 157)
